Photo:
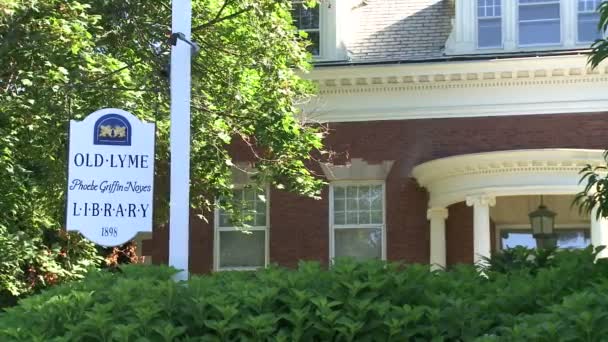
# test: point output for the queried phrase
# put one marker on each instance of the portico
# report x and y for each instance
(478, 179)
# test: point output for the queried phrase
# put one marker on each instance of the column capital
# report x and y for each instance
(437, 213)
(481, 199)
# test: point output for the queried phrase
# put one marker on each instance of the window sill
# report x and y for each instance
(224, 269)
(544, 50)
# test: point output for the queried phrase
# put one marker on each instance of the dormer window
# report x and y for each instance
(307, 19)
(489, 24)
(495, 26)
(588, 19)
(539, 22)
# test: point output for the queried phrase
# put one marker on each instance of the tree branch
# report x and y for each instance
(219, 13)
(217, 20)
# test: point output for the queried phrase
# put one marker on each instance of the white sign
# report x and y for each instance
(111, 176)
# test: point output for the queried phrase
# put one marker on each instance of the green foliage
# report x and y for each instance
(599, 49)
(62, 60)
(595, 193)
(519, 258)
(564, 300)
(595, 178)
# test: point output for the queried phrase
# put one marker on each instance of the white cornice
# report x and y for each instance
(504, 173)
(539, 85)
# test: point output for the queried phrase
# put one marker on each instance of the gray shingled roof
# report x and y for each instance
(400, 30)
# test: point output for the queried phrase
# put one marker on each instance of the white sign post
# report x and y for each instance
(181, 55)
(111, 177)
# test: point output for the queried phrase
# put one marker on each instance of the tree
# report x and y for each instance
(595, 178)
(63, 59)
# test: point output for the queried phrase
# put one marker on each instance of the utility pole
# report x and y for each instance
(181, 54)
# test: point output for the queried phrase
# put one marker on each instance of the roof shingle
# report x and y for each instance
(400, 30)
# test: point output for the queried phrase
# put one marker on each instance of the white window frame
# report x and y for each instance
(528, 228)
(334, 28)
(464, 36)
(502, 28)
(320, 30)
(577, 12)
(217, 229)
(560, 4)
(332, 226)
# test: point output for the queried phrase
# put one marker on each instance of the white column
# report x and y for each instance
(599, 233)
(509, 21)
(180, 140)
(481, 225)
(437, 217)
(569, 11)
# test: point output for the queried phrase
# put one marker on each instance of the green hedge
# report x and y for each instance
(564, 300)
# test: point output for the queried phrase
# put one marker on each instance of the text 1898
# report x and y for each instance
(109, 231)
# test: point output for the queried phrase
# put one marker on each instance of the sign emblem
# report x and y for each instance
(112, 129)
(110, 178)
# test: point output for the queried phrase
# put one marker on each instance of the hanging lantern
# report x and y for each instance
(542, 221)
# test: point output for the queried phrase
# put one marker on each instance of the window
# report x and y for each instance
(489, 23)
(235, 249)
(539, 22)
(307, 20)
(484, 26)
(357, 226)
(588, 19)
(566, 238)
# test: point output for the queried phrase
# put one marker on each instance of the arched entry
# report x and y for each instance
(479, 178)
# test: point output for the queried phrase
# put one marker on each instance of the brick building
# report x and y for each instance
(453, 117)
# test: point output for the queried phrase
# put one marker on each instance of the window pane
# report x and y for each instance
(540, 32)
(360, 244)
(565, 239)
(260, 219)
(512, 239)
(364, 192)
(338, 204)
(351, 192)
(489, 33)
(362, 205)
(376, 217)
(339, 192)
(573, 239)
(351, 217)
(536, 12)
(315, 43)
(249, 194)
(376, 197)
(539, 22)
(364, 217)
(238, 249)
(587, 27)
(339, 218)
(225, 220)
(305, 18)
(488, 8)
(252, 206)
(588, 5)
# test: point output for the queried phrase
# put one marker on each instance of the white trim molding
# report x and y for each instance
(510, 86)
(504, 173)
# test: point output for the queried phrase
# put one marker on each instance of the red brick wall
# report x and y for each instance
(299, 226)
(459, 234)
